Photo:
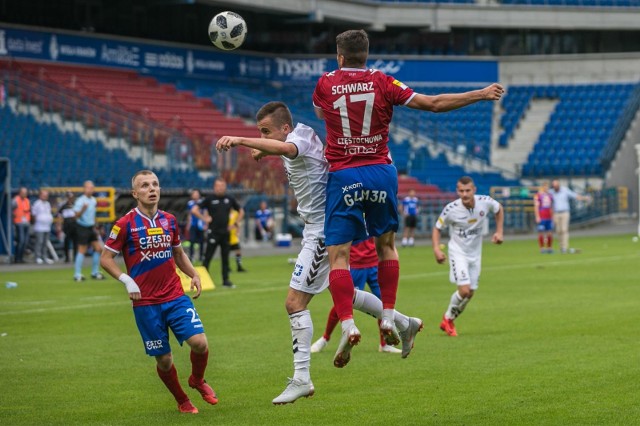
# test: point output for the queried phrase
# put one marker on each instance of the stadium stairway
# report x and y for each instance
(580, 129)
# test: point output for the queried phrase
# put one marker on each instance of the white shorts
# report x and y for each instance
(464, 271)
(311, 272)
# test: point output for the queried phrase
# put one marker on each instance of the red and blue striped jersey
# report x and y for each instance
(147, 246)
(545, 205)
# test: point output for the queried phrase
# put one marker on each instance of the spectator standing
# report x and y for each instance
(410, 212)
(562, 212)
(43, 219)
(86, 234)
(68, 215)
(21, 222)
(195, 226)
(264, 222)
(543, 211)
(215, 211)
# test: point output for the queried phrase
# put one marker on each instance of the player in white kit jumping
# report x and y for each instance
(307, 169)
(465, 218)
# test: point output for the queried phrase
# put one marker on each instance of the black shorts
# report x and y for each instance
(234, 247)
(85, 235)
(410, 221)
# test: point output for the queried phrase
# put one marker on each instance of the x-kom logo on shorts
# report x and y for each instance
(348, 188)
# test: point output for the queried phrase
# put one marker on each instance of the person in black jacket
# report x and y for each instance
(215, 210)
(68, 216)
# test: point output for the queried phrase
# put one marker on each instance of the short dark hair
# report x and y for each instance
(141, 172)
(278, 110)
(465, 180)
(354, 46)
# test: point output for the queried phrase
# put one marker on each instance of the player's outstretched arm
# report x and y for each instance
(108, 263)
(450, 101)
(435, 242)
(498, 236)
(185, 265)
(267, 146)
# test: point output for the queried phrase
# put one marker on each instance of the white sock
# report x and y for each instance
(301, 333)
(346, 324)
(411, 241)
(389, 314)
(456, 306)
(371, 305)
(404, 241)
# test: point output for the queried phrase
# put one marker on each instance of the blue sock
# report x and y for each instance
(96, 263)
(79, 260)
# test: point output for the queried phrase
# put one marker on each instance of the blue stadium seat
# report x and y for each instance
(70, 159)
(579, 129)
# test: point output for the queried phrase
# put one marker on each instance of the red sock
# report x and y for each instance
(170, 380)
(341, 286)
(550, 241)
(382, 342)
(541, 240)
(332, 321)
(388, 276)
(199, 364)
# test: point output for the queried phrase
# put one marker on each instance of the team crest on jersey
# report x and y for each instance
(400, 84)
(114, 232)
(481, 213)
(164, 223)
(155, 231)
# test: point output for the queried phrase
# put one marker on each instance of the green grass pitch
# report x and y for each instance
(548, 340)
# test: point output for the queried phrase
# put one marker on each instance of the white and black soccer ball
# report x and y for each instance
(227, 30)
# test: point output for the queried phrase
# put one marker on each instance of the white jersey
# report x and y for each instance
(307, 173)
(465, 225)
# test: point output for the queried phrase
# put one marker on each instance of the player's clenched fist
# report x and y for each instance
(493, 92)
(226, 142)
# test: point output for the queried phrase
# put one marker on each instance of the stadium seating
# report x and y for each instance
(578, 130)
(438, 171)
(197, 118)
(71, 158)
(469, 128)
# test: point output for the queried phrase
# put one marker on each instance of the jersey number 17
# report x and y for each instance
(341, 104)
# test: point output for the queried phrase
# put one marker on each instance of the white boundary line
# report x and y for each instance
(284, 286)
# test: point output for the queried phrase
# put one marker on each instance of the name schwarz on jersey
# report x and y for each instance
(352, 88)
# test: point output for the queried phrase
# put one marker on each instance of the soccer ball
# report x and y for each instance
(227, 30)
